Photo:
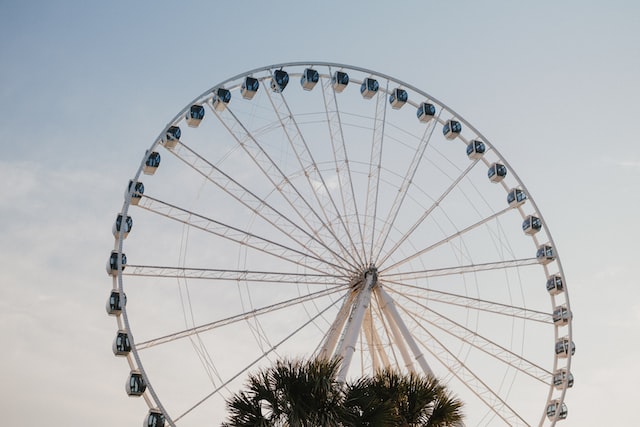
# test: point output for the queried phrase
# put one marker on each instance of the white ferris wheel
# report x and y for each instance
(319, 210)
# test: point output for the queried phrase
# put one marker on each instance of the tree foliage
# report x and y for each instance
(297, 393)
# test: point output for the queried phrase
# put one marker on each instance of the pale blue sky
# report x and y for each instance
(85, 86)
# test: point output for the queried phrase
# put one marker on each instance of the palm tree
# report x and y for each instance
(308, 394)
(391, 398)
(291, 393)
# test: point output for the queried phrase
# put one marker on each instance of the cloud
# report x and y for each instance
(629, 164)
(16, 181)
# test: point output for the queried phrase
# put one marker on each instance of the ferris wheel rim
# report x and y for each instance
(154, 401)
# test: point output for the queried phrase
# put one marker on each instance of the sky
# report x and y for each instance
(85, 86)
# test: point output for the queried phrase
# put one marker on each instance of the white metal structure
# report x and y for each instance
(307, 220)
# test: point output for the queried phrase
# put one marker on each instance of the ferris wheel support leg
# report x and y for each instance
(347, 346)
(398, 338)
(333, 335)
(371, 343)
(400, 329)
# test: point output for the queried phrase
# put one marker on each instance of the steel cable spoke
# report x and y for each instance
(234, 275)
(462, 269)
(250, 200)
(405, 186)
(254, 362)
(468, 378)
(341, 160)
(426, 214)
(233, 234)
(445, 240)
(375, 165)
(237, 318)
(480, 342)
(278, 179)
(307, 163)
(475, 303)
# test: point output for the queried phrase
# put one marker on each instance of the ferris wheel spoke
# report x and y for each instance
(252, 201)
(478, 341)
(427, 212)
(341, 160)
(474, 303)
(404, 187)
(280, 181)
(447, 239)
(235, 275)
(257, 360)
(307, 163)
(375, 165)
(461, 269)
(470, 379)
(252, 314)
(235, 234)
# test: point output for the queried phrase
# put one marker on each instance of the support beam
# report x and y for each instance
(347, 346)
(398, 339)
(331, 338)
(371, 344)
(389, 308)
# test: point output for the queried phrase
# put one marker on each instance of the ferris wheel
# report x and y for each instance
(351, 215)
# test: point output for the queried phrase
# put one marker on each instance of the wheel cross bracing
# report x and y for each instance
(322, 223)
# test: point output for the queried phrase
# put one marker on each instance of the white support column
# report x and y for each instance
(347, 346)
(389, 308)
(371, 344)
(331, 339)
(381, 350)
(399, 341)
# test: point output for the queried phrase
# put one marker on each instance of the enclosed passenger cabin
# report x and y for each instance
(194, 116)
(279, 81)
(152, 163)
(249, 87)
(112, 263)
(425, 112)
(531, 225)
(561, 315)
(475, 149)
(564, 346)
(116, 301)
(451, 129)
(171, 137)
(556, 411)
(121, 345)
(555, 284)
(155, 418)
(562, 379)
(309, 78)
(398, 98)
(369, 87)
(135, 384)
(340, 80)
(516, 197)
(497, 172)
(136, 194)
(545, 254)
(220, 99)
(117, 225)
